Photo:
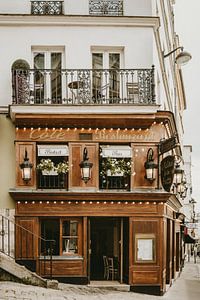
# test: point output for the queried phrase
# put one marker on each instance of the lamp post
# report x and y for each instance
(26, 167)
(85, 166)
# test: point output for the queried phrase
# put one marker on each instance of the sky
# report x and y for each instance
(187, 26)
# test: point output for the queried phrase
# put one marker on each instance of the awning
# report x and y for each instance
(53, 150)
(116, 151)
(188, 239)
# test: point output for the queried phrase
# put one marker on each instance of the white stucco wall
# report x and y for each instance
(77, 42)
(77, 7)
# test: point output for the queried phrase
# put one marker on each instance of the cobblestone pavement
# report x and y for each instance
(185, 287)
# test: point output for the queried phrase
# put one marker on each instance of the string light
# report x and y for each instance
(33, 202)
(25, 202)
(18, 202)
(40, 202)
(54, 202)
(61, 202)
(47, 202)
(90, 202)
(83, 202)
(31, 128)
(17, 128)
(69, 202)
(111, 202)
(24, 128)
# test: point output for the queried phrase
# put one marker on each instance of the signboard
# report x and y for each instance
(116, 151)
(192, 225)
(53, 150)
(167, 172)
(168, 144)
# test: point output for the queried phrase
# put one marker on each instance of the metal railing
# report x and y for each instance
(84, 86)
(52, 181)
(47, 7)
(106, 7)
(11, 233)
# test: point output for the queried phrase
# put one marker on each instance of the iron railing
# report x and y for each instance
(47, 7)
(84, 86)
(11, 233)
(115, 183)
(106, 7)
(52, 181)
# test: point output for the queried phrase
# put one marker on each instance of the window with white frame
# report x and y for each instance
(47, 75)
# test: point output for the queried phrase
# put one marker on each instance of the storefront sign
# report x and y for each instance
(167, 172)
(43, 134)
(116, 151)
(53, 150)
(168, 144)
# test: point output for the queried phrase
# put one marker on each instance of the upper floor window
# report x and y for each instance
(47, 81)
(46, 7)
(106, 7)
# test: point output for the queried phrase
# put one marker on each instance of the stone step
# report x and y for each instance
(110, 285)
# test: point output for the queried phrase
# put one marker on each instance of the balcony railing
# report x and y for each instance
(47, 7)
(84, 87)
(106, 7)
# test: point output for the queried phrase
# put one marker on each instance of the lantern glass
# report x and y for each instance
(150, 174)
(86, 173)
(26, 173)
(178, 176)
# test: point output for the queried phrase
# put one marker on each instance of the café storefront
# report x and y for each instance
(120, 213)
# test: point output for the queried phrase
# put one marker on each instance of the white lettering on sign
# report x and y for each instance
(53, 150)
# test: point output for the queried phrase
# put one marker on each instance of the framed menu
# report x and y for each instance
(145, 248)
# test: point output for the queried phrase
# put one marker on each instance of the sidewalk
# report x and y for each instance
(185, 287)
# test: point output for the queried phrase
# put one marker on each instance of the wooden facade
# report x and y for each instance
(137, 225)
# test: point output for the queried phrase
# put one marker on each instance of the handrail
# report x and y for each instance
(8, 238)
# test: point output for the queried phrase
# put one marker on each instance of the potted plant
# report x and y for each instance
(47, 167)
(115, 167)
(62, 167)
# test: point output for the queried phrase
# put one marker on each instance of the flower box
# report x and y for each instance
(115, 174)
(49, 173)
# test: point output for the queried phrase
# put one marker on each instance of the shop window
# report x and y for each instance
(115, 167)
(52, 166)
(61, 236)
(70, 237)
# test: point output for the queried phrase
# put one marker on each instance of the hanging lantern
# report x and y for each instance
(26, 167)
(85, 166)
(150, 166)
(178, 173)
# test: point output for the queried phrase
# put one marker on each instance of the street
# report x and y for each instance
(185, 287)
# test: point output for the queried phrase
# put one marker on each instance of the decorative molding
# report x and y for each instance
(81, 20)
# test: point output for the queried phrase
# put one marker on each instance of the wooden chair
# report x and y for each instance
(112, 269)
(105, 265)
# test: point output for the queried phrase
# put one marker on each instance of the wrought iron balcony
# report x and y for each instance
(84, 87)
(47, 7)
(106, 7)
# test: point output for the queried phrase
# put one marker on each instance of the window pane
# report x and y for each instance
(50, 230)
(97, 63)
(70, 237)
(38, 76)
(114, 63)
(56, 86)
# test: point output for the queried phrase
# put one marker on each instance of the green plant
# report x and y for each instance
(62, 167)
(46, 164)
(115, 165)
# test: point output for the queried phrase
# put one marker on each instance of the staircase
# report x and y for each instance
(9, 269)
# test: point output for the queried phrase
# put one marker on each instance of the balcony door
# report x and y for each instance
(47, 78)
(106, 78)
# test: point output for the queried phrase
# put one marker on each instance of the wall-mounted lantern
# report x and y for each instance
(26, 167)
(85, 166)
(150, 166)
(178, 171)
